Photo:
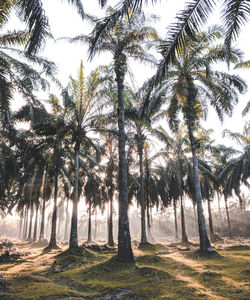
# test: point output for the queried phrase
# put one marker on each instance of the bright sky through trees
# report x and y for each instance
(65, 22)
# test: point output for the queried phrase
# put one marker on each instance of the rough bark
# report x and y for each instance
(89, 240)
(52, 243)
(150, 236)
(184, 237)
(110, 224)
(195, 219)
(228, 218)
(41, 236)
(73, 241)
(175, 222)
(205, 245)
(141, 194)
(125, 253)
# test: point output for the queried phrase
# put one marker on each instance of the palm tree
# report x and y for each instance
(110, 172)
(124, 41)
(237, 170)
(193, 85)
(175, 170)
(93, 194)
(235, 14)
(80, 110)
(140, 117)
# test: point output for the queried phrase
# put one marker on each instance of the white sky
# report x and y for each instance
(65, 22)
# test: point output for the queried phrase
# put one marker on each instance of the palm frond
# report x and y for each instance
(234, 15)
(188, 22)
(32, 12)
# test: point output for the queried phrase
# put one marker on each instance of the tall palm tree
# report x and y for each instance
(140, 117)
(193, 85)
(123, 42)
(80, 110)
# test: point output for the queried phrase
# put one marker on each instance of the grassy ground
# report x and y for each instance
(173, 271)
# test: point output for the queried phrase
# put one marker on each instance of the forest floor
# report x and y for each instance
(162, 271)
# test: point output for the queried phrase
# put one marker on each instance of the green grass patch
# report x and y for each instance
(152, 248)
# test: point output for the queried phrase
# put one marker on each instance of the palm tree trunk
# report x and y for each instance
(95, 231)
(24, 234)
(184, 237)
(195, 219)
(31, 218)
(175, 222)
(110, 224)
(228, 218)
(150, 236)
(20, 226)
(41, 236)
(35, 226)
(220, 214)
(66, 221)
(141, 193)
(210, 220)
(52, 243)
(73, 241)
(205, 245)
(89, 240)
(125, 253)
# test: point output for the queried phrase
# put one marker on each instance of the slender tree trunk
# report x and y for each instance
(73, 241)
(20, 226)
(205, 245)
(95, 232)
(184, 237)
(210, 220)
(228, 218)
(195, 220)
(24, 235)
(35, 226)
(66, 221)
(59, 221)
(110, 223)
(150, 236)
(31, 219)
(220, 214)
(52, 243)
(141, 193)
(41, 237)
(151, 220)
(175, 222)
(89, 240)
(243, 218)
(149, 215)
(125, 253)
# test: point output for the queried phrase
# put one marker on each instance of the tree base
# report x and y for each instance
(51, 247)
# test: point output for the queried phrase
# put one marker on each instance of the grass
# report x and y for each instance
(160, 272)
